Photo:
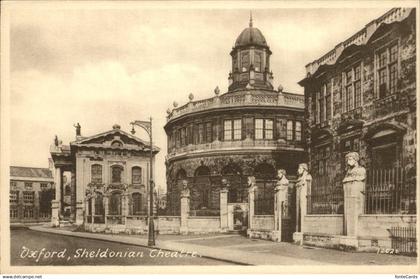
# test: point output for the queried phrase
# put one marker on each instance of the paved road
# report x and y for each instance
(26, 249)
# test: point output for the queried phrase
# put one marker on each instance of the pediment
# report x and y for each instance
(115, 138)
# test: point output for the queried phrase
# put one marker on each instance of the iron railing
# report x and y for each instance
(390, 191)
(264, 197)
(324, 197)
(403, 240)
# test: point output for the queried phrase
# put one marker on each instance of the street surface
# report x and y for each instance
(26, 249)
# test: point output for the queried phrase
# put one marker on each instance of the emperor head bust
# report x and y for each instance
(355, 172)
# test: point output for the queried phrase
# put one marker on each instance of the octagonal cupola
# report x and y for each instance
(250, 61)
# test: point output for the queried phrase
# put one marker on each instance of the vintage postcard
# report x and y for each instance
(209, 137)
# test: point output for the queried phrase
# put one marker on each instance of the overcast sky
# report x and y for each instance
(99, 67)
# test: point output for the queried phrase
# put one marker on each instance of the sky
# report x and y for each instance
(100, 66)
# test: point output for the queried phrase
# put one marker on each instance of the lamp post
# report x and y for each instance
(147, 126)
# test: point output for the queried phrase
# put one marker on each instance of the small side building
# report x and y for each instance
(109, 180)
(31, 193)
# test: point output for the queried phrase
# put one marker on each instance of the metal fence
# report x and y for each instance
(390, 191)
(403, 240)
(264, 197)
(324, 198)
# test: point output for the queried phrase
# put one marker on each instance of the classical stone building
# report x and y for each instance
(31, 193)
(250, 130)
(109, 180)
(361, 97)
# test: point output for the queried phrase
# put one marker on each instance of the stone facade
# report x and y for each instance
(110, 175)
(350, 107)
(217, 143)
(31, 193)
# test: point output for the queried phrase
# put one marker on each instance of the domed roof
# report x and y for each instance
(251, 36)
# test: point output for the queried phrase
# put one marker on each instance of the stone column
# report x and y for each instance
(280, 198)
(224, 226)
(56, 203)
(251, 198)
(185, 208)
(79, 213)
(353, 186)
(92, 200)
(36, 206)
(106, 208)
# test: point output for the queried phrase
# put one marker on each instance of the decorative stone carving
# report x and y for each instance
(355, 172)
(303, 187)
(282, 182)
(185, 189)
(217, 91)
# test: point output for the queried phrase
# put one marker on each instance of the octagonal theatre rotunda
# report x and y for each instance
(250, 130)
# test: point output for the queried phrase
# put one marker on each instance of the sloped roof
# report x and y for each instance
(30, 172)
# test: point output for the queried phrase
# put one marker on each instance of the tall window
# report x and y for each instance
(245, 61)
(263, 128)
(96, 173)
(136, 175)
(115, 204)
(298, 131)
(328, 93)
(317, 107)
(137, 206)
(28, 185)
(183, 136)
(116, 174)
(28, 197)
(322, 103)
(387, 70)
(258, 61)
(14, 196)
(289, 130)
(352, 90)
(200, 133)
(99, 205)
(233, 129)
(209, 128)
(320, 159)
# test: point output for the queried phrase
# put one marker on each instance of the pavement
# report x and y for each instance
(238, 249)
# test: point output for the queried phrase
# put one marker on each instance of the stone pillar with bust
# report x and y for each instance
(353, 187)
(185, 207)
(280, 198)
(224, 225)
(252, 187)
(303, 188)
(56, 203)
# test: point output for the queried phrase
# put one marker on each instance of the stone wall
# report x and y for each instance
(168, 224)
(376, 226)
(263, 222)
(203, 224)
(324, 224)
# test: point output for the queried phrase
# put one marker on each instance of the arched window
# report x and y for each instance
(115, 204)
(201, 190)
(257, 61)
(99, 209)
(245, 61)
(265, 179)
(96, 173)
(136, 175)
(137, 204)
(116, 174)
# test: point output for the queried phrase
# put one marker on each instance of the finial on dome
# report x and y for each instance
(217, 91)
(250, 18)
(191, 97)
(175, 104)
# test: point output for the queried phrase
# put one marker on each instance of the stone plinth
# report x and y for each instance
(224, 210)
(55, 217)
(280, 198)
(353, 205)
(185, 211)
(79, 213)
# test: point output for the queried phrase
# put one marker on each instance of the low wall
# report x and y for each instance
(323, 224)
(168, 224)
(204, 224)
(263, 223)
(373, 230)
